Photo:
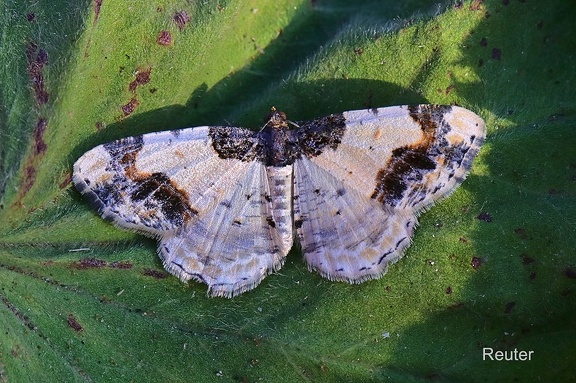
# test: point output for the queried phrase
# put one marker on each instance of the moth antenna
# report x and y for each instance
(293, 123)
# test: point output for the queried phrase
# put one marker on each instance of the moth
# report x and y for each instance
(226, 203)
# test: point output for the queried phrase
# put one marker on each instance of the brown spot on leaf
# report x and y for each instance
(97, 4)
(121, 265)
(89, 263)
(17, 313)
(37, 58)
(130, 107)
(496, 53)
(39, 144)
(509, 307)
(29, 179)
(42, 57)
(448, 290)
(570, 272)
(449, 89)
(526, 260)
(165, 38)
(181, 18)
(157, 274)
(142, 77)
(73, 323)
(476, 262)
(358, 51)
(97, 7)
(484, 216)
(99, 125)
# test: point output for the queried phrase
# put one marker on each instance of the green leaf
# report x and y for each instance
(493, 266)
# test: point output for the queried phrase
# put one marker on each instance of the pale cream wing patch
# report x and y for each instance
(344, 234)
(355, 207)
(234, 245)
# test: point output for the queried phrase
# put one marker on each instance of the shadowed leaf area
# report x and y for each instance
(493, 266)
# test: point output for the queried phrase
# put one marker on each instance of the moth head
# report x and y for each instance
(276, 119)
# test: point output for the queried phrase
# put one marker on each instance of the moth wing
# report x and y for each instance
(235, 244)
(213, 215)
(147, 183)
(345, 235)
(356, 205)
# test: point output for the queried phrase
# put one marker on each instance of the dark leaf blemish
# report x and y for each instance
(181, 18)
(496, 53)
(509, 307)
(164, 38)
(73, 323)
(570, 272)
(89, 263)
(476, 262)
(142, 77)
(484, 216)
(156, 274)
(130, 107)
(37, 58)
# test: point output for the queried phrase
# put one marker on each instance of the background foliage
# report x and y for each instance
(492, 266)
